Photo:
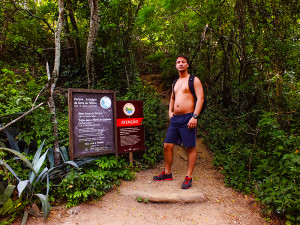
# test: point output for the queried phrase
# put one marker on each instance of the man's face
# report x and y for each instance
(181, 64)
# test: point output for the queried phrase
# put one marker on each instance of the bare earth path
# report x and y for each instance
(222, 205)
(119, 206)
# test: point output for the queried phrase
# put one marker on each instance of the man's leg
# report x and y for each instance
(192, 153)
(168, 153)
(187, 183)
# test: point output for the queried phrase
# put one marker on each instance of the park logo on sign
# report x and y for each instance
(128, 109)
(105, 102)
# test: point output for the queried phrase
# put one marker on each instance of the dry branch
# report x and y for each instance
(20, 117)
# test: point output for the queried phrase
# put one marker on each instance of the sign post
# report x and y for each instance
(130, 130)
(92, 122)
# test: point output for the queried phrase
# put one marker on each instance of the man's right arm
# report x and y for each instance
(171, 105)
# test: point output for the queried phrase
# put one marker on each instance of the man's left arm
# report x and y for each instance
(199, 103)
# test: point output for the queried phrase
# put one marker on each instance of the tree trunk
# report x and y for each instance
(53, 81)
(94, 25)
(127, 41)
(76, 49)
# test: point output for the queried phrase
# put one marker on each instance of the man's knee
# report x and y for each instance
(191, 150)
(168, 146)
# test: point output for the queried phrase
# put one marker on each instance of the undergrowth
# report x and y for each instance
(261, 159)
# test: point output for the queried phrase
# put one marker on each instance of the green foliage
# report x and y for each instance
(268, 165)
(6, 194)
(33, 179)
(11, 209)
(12, 100)
(101, 175)
(279, 168)
(155, 121)
(246, 55)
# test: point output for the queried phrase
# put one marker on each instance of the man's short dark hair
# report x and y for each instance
(185, 57)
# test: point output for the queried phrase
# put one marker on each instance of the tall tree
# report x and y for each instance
(54, 78)
(76, 45)
(94, 26)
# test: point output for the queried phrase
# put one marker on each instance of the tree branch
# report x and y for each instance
(20, 117)
(31, 14)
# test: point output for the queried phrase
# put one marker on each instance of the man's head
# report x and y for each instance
(182, 63)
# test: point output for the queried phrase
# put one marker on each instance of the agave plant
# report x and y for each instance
(12, 133)
(35, 175)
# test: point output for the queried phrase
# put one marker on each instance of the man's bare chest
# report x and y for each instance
(182, 88)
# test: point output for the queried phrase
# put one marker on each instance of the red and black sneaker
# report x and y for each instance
(163, 176)
(187, 183)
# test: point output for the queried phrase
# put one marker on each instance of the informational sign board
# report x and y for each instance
(130, 130)
(92, 122)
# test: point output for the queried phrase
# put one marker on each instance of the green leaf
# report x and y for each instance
(2, 144)
(45, 205)
(288, 222)
(11, 140)
(38, 154)
(38, 166)
(72, 163)
(22, 157)
(21, 186)
(7, 193)
(42, 174)
(51, 157)
(10, 169)
(64, 153)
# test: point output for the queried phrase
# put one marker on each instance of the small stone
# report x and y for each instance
(35, 208)
(74, 211)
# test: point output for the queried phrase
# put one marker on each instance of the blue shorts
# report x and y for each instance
(178, 131)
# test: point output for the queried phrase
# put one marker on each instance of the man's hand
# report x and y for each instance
(171, 114)
(192, 123)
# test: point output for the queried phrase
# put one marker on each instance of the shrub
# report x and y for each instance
(155, 121)
(102, 174)
(263, 160)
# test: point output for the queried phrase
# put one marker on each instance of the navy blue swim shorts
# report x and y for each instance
(178, 131)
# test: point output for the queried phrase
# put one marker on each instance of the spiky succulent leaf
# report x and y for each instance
(37, 154)
(61, 169)
(44, 173)
(72, 163)
(7, 193)
(21, 186)
(22, 157)
(37, 166)
(64, 153)
(11, 140)
(51, 157)
(45, 205)
(10, 169)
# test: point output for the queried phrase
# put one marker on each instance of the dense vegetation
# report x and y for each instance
(246, 53)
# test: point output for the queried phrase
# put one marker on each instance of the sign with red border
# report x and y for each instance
(130, 129)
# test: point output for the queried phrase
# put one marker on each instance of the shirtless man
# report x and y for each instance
(183, 114)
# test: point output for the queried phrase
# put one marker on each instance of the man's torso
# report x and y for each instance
(184, 100)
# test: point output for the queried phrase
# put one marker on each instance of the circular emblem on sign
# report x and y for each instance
(105, 102)
(128, 109)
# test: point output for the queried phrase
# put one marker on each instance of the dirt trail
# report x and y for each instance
(119, 206)
(223, 206)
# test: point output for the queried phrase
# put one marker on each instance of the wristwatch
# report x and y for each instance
(195, 116)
